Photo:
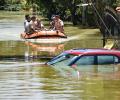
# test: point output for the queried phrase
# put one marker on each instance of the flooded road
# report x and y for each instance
(23, 75)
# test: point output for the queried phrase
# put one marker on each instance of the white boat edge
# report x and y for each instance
(45, 40)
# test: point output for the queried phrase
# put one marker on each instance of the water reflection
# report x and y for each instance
(106, 72)
(43, 50)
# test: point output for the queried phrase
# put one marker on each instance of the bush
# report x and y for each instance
(15, 7)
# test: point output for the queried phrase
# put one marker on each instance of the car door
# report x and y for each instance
(85, 60)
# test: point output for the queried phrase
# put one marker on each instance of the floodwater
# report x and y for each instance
(23, 75)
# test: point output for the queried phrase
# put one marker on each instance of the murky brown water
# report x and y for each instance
(24, 77)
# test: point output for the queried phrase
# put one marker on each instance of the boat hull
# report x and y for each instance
(43, 34)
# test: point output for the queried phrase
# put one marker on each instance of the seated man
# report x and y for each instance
(39, 25)
(52, 23)
(57, 24)
(36, 25)
(32, 25)
(27, 23)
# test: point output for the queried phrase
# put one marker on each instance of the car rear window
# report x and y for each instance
(107, 59)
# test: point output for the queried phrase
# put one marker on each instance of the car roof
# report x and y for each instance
(93, 52)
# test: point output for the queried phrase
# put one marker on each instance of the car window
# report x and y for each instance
(85, 60)
(65, 60)
(107, 59)
(62, 58)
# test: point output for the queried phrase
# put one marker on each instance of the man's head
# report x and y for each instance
(53, 17)
(33, 18)
(57, 17)
(27, 17)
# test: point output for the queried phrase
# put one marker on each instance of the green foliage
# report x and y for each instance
(2, 4)
(67, 9)
(26, 7)
(15, 7)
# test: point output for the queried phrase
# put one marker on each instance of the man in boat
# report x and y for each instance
(52, 23)
(36, 25)
(39, 25)
(33, 24)
(57, 24)
(27, 23)
(30, 24)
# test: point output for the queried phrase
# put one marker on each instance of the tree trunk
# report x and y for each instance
(74, 19)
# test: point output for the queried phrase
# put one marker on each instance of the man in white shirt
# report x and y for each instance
(27, 23)
(33, 25)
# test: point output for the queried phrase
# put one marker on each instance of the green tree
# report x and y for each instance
(69, 9)
(2, 4)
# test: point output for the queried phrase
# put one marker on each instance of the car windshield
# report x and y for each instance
(63, 58)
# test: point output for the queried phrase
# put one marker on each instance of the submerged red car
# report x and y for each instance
(79, 57)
